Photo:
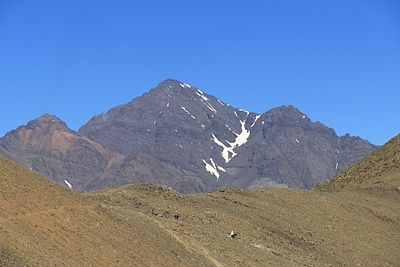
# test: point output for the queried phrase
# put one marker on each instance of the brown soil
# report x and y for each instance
(276, 227)
(42, 224)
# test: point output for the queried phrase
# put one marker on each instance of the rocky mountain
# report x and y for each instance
(381, 169)
(47, 146)
(179, 136)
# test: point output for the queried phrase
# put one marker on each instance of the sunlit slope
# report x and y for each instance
(381, 169)
(276, 227)
(42, 224)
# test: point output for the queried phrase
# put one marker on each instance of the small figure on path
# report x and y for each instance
(232, 234)
(177, 215)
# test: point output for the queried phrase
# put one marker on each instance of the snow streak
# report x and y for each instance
(228, 152)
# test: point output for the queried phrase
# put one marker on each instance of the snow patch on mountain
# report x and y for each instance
(212, 168)
(210, 107)
(184, 109)
(229, 128)
(186, 85)
(254, 123)
(228, 152)
(68, 184)
(205, 99)
(245, 111)
(242, 138)
(202, 96)
(221, 169)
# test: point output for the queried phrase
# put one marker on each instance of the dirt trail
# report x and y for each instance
(192, 248)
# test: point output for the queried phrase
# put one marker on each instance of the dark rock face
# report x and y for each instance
(176, 135)
(287, 149)
(174, 124)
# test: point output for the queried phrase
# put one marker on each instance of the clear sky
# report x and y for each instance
(337, 61)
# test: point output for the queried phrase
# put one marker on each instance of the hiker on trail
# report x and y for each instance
(177, 215)
(232, 234)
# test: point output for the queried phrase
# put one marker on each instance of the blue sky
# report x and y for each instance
(337, 61)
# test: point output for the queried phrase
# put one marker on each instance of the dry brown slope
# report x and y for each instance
(42, 224)
(381, 169)
(276, 227)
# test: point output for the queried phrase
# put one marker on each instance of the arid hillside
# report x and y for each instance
(381, 169)
(275, 227)
(42, 224)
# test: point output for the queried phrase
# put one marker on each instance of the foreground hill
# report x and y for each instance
(180, 136)
(42, 224)
(381, 169)
(276, 227)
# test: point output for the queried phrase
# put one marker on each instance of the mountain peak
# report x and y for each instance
(173, 83)
(49, 121)
(169, 82)
(288, 112)
(180, 136)
(45, 132)
(49, 117)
